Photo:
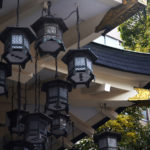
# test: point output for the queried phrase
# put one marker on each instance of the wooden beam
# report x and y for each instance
(81, 125)
(117, 15)
(109, 112)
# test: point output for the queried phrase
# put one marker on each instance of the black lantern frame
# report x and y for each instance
(5, 71)
(59, 124)
(36, 128)
(14, 118)
(79, 64)
(107, 140)
(49, 31)
(18, 145)
(17, 42)
(57, 95)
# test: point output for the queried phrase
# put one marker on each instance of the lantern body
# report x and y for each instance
(107, 140)
(59, 124)
(36, 128)
(49, 32)
(5, 71)
(56, 95)
(17, 44)
(14, 123)
(79, 64)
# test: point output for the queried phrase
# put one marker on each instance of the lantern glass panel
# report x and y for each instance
(49, 29)
(112, 142)
(80, 63)
(17, 39)
(53, 92)
(63, 92)
(103, 143)
(59, 126)
(26, 43)
(89, 64)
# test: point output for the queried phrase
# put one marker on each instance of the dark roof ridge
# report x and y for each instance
(122, 60)
(124, 50)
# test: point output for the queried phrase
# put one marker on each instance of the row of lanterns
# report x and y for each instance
(48, 40)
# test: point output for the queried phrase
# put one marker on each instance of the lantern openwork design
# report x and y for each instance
(56, 95)
(49, 31)
(14, 121)
(18, 145)
(5, 71)
(107, 140)
(79, 64)
(17, 42)
(36, 128)
(59, 124)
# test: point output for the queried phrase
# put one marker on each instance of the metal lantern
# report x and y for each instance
(80, 63)
(49, 32)
(14, 123)
(56, 95)
(18, 145)
(17, 42)
(36, 125)
(107, 140)
(59, 124)
(5, 71)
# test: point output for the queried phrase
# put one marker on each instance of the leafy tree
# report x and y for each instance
(135, 32)
(135, 136)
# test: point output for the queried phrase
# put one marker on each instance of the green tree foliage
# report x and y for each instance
(135, 32)
(135, 136)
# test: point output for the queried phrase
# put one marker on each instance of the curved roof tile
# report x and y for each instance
(123, 60)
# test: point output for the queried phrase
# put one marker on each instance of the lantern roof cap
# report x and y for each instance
(8, 30)
(83, 52)
(107, 134)
(37, 114)
(7, 68)
(49, 19)
(55, 83)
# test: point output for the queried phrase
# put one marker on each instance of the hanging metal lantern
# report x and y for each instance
(17, 42)
(5, 71)
(56, 95)
(49, 32)
(107, 140)
(14, 123)
(18, 145)
(80, 63)
(59, 124)
(36, 125)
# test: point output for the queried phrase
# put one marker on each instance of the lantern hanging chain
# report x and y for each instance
(47, 8)
(17, 12)
(56, 64)
(12, 98)
(19, 88)
(39, 92)
(25, 97)
(36, 58)
(77, 27)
